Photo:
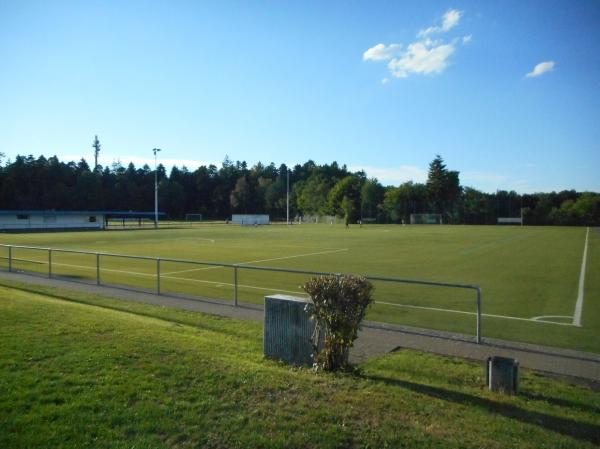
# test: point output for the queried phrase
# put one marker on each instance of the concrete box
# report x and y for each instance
(288, 330)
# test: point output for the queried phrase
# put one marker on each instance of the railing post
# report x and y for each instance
(478, 315)
(97, 268)
(9, 259)
(49, 263)
(158, 276)
(235, 285)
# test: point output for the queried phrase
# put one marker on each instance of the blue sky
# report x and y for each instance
(380, 86)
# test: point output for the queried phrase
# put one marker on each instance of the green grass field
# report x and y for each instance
(524, 272)
(84, 371)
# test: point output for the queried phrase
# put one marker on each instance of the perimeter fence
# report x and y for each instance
(237, 284)
(146, 223)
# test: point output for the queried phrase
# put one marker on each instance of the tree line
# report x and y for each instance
(314, 190)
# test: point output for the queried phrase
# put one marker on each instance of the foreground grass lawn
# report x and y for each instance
(82, 371)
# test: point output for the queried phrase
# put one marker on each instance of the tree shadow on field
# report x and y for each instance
(561, 402)
(565, 426)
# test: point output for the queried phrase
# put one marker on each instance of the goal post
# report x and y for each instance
(426, 219)
(510, 220)
(193, 217)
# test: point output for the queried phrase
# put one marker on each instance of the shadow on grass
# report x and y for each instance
(191, 323)
(561, 402)
(565, 426)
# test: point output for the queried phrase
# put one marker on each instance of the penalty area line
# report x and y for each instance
(201, 281)
(580, 292)
(261, 260)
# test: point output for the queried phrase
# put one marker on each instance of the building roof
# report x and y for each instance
(110, 213)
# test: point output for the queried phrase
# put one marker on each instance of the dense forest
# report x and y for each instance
(315, 190)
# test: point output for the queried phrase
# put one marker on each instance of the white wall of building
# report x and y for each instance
(51, 221)
(250, 219)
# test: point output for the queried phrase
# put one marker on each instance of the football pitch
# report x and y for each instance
(537, 286)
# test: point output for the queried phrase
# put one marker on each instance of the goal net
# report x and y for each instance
(425, 218)
(510, 220)
(193, 217)
(328, 219)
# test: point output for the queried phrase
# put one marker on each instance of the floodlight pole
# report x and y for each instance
(155, 150)
(288, 196)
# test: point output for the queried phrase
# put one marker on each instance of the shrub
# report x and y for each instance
(339, 306)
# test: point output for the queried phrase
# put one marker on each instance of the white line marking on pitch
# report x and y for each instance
(223, 284)
(197, 238)
(472, 313)
(261, 260)
(579, 303)
(112, 270)
(541, 318)
(216, 283)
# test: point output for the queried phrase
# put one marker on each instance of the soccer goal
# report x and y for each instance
(510, 220)
(193, 217)
(425, 218)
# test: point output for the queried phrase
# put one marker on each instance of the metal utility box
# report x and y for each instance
(503, 374)
(288, 330)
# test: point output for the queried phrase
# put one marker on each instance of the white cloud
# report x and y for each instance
(491, 182)
(450, 20)
(394, 176)
(381, 52)
(423, 57)
(542, 67)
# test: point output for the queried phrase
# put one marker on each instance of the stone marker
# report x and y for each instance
(503, 374)
(288, 330)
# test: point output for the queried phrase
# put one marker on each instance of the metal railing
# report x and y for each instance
(235, 267)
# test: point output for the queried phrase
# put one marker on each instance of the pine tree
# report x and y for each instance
(436, 183)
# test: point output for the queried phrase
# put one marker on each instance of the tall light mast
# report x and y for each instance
(96, 147)
(155, 151)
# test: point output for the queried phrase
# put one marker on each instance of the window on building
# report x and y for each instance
(92, 219)
(23, 217)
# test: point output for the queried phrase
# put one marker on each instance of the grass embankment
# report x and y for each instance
(82, 371)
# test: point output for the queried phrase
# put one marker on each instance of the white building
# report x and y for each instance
(250, 219)
(33, 220)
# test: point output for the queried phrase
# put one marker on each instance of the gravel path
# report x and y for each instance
(375, 339)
